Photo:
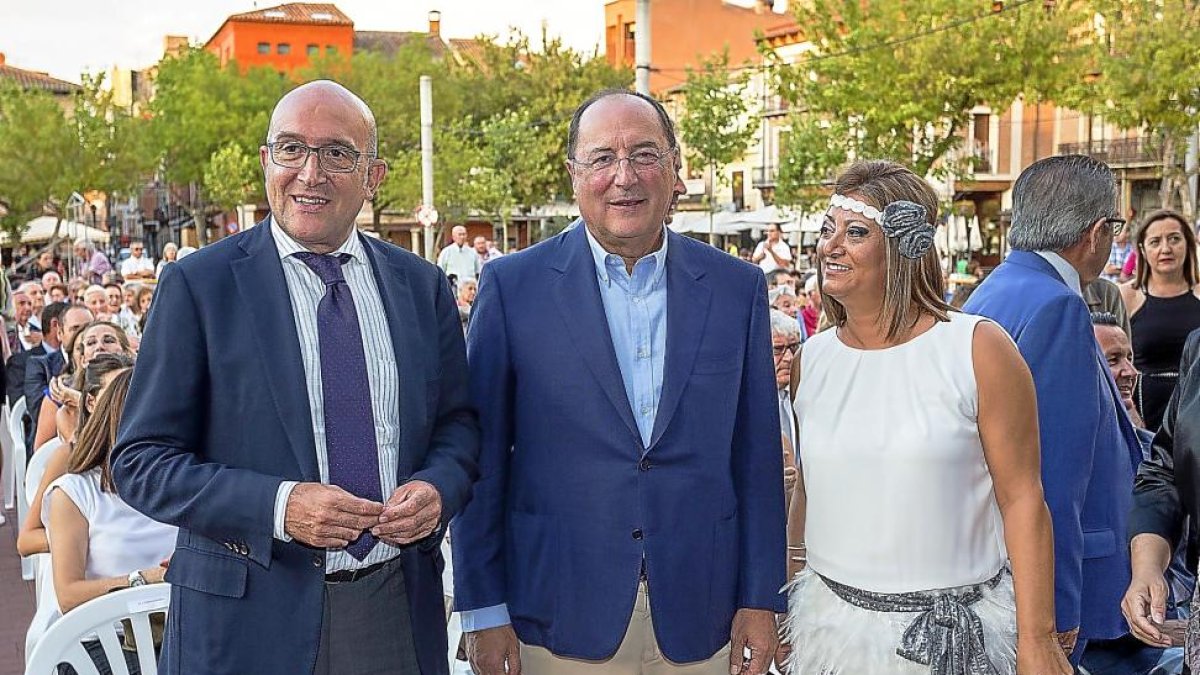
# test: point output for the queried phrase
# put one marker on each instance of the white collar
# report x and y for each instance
(1064, 269)
(287, 246)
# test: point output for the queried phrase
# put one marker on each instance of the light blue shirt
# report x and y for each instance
(636, 308)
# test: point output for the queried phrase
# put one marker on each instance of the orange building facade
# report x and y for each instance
(285, 37)
(711, 25)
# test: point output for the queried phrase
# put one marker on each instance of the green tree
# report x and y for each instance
(198, 109)
(230, 176)
(898, 80)
(47, 154)
(716, 123)
(1148, 80)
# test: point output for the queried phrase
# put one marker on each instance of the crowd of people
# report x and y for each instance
(648, 456)
(71, 339)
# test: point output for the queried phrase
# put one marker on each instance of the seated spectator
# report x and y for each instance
(785, 346)
(138, 266)
(114, 295)
(31, 539)
(145, 295)
(93, 264)
(783, 298)
(811, 314)
(95, 299)
(466, 296)
(170, 252)
(95, 338)
(98, 543)
(58, 293)
(50, 279)
(36, 293)
(76, 288)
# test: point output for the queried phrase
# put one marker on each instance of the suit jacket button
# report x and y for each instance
(243, 549)
(317, 562)
(637, 534)
(644, 465)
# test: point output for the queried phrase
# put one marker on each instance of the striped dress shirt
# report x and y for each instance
(306, 290)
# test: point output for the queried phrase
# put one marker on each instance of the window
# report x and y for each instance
(314, 50)
(330, 50)
(264, 48)
(322, 16)
(283, 48)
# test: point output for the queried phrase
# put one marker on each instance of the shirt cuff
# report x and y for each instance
(482, 619)
(281, 500)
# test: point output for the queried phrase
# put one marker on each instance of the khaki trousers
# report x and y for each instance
(637, 655)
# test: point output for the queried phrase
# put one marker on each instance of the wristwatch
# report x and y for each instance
(136, 579)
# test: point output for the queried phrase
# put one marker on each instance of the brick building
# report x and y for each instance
(284, 37)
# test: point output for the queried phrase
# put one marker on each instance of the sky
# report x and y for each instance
(67, 37)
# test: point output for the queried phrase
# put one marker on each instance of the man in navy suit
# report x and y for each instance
(1063, 222)
(629, 517)
(300, 411)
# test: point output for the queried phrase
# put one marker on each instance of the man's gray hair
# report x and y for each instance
(784, 325)
(1057, 199)
(86, 245)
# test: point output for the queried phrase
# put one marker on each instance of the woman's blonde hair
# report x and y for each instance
(912, 287)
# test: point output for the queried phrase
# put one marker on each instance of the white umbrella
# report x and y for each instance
(41, 229)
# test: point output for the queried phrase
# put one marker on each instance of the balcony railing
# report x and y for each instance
(764, 176)
(1138, 150)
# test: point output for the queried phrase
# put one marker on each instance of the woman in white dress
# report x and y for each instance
(919, 459)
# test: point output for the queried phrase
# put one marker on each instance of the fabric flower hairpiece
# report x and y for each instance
(903, 220)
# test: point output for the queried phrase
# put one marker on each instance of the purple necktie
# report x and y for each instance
(349, 423)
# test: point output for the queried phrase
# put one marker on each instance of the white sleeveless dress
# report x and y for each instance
(900, 499)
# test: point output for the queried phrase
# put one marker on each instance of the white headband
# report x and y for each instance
(903, 220)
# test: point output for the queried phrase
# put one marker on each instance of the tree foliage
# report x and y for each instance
(1149, 78)
(898, 80)
(230, 176)
(47, 153)
(717, 122)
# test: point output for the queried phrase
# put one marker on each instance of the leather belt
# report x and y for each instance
(350, 576)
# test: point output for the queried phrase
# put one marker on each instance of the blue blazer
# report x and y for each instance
(570, 501)
(1089, 448)
(218, 416)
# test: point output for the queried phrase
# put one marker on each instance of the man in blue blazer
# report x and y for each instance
(299, 410)
(1064, 219)
(629, 517)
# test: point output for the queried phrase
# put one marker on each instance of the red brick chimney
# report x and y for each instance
(435, 23)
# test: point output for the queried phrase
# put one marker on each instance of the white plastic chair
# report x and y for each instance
(16, 429)
(36, 467)
(63, 643)
(47, 611)
(8, 483)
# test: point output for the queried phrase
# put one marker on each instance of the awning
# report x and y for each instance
(41, 230)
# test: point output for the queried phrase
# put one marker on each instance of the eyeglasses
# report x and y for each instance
(791, 347)
(606, 163)
(331, 158)
(1115, 224)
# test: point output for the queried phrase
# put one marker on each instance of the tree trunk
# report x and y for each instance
(1166, 190)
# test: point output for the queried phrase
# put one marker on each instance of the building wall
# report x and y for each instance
(682, 32)
(240, 40)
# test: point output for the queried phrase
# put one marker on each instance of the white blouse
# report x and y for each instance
(899, 495)
(120, 539)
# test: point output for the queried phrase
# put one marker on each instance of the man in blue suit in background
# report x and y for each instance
(629, 517)
(300, 411)
(1064, 217)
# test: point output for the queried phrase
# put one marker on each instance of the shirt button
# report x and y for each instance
(644, 465)
(637, 534)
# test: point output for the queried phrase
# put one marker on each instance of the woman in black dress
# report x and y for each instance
(1163, 302)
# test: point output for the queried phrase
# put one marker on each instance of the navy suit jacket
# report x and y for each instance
(1089, 448)
(570, 501)
(218, 416)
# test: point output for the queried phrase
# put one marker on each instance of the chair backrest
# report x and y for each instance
(47, 611)
(62, 643)
(17, 431)
(36, 467)
(6, 468)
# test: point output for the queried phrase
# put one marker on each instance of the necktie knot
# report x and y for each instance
(327, 267)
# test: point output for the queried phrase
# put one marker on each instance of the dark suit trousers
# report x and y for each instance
(366, 628)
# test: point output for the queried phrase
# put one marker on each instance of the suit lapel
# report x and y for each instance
(260, 282)
(577, 295)
(397, 299)
(687, 312)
